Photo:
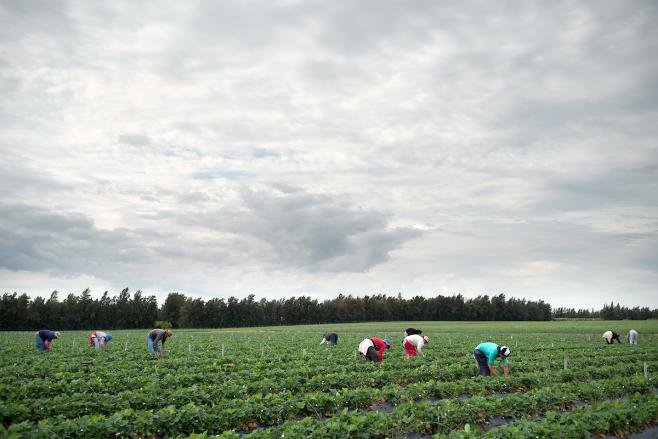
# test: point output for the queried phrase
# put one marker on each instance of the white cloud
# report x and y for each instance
(286, 147)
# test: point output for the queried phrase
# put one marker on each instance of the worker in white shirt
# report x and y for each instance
(632, 336)
(611, 336)
(413, 344)
(99, 339)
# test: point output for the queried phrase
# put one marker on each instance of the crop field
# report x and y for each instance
(278, 382)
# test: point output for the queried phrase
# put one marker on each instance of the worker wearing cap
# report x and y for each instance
(610, 337)
(486, 353)
(99, 339)
(373, 348)
(154, 337)
(413, 344)
(44, 339)
(331, 338)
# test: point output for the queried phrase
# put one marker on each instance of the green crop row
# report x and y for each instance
(441, 417)
(271, 409)
(619, 418)
(152, 396)
(238, 379)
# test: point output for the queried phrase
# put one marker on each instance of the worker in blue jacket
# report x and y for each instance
(44, 339)
(485, 355)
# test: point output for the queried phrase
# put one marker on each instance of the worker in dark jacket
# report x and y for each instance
(155, 337)
(373, 348)
(331, 338)
(412, 331)
(44, 339)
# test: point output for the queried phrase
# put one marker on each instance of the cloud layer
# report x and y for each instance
(285, 148)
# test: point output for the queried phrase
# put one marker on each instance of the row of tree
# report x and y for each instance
(20, 312)
(608, 312)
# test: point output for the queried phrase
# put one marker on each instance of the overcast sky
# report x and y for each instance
(282, 148)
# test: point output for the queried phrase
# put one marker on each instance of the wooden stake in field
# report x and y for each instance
(222, 350)
(189, 347)
(566, 362)
(125, 346)
(646, 371)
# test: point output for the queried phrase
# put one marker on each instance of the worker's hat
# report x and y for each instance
(387, 341)
(426, 339)
(505, 351)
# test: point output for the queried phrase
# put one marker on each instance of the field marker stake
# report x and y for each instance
(646, 371)
(304, 352)
(189, 347)
(262, 351)
(222, 350)
(552, 345)
(125, 346)
(566, 362)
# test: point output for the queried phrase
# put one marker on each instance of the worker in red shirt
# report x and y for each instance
(373, 348)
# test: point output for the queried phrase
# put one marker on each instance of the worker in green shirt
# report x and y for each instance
(486, 353)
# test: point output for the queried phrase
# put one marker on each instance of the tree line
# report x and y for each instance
(608, 312)
(126, 310)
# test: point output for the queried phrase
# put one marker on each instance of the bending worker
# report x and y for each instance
(44, 339)
(99, 339)
(373, 348)
(413, 344)
(486, 353)
(330, 338)
(632, 336)
(611, 336)
(412, 331)
(154, 337)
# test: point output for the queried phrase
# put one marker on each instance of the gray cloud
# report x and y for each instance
(134, 139)
(311, 231)
(35, 239)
